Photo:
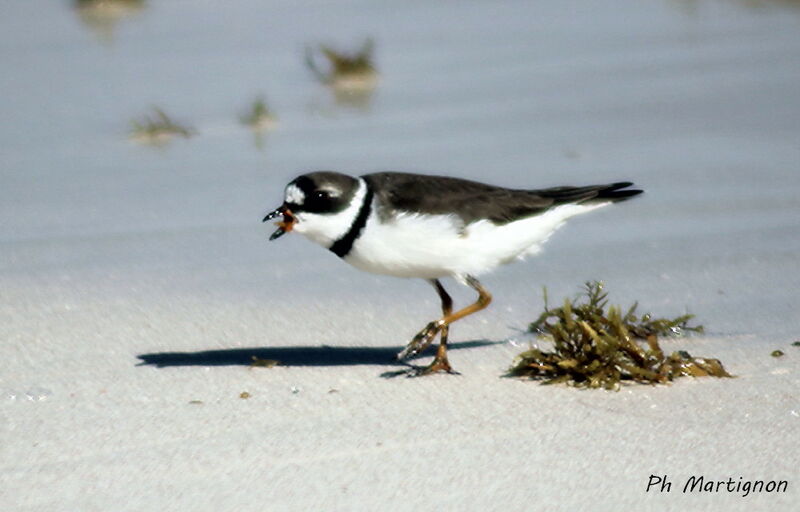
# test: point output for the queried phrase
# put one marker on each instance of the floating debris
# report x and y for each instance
(195, 402)
(597, 347)
(259, 118)
(352, 72)
(244, 395)
(102, 16)
(263, 363)
(777, 353)
(796, 344)
(158, 129)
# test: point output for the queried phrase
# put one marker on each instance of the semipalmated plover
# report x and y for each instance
(412, 225)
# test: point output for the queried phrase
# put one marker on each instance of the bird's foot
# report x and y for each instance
(439, 365)
(422, 340)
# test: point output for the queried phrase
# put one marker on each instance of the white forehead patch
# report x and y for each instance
(294, 195)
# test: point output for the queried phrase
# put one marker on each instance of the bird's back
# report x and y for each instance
(472, 201)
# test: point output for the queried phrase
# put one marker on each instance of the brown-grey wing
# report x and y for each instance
(440, 195)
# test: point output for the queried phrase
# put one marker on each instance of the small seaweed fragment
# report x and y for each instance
(597, 346)
(111, 5)
(263, 363)
(158, 129)
(354, 72)
(244, 395)
(796, 343)
(259, 117)
(102, 16)
(777, 353)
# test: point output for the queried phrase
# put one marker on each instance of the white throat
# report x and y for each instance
(326, 228)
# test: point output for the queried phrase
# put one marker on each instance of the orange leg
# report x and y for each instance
(442, 327)
(440, 362)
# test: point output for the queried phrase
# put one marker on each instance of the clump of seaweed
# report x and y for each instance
(259, 117)
(598, 346)
(355, 72)
(158, 129)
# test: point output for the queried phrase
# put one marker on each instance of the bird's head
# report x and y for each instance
(320, 205)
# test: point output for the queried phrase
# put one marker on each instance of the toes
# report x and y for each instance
(438, 365)
(430, 370)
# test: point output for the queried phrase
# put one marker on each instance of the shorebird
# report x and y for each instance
(430, 227)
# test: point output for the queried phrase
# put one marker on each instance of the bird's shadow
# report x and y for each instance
(323, 355)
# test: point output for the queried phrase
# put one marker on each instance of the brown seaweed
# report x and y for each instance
(102, 16)
(599, 346)
(157, 129)
(355, 71)
(263, 363)
(259, 117)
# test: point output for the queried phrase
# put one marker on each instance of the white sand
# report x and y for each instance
(110, 251)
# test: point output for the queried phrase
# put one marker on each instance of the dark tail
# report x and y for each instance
(613, 192)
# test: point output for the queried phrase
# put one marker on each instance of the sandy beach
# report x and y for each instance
(137, 283)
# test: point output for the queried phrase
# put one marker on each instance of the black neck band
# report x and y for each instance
(343, 245)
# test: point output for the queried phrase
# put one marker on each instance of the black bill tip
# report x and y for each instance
(274, 213)
(277, 234)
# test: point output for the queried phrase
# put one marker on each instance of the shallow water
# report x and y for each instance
(694, 101)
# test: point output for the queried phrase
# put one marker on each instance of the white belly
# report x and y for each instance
(433, 246)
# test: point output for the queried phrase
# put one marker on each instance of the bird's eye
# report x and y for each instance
(321, 194)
